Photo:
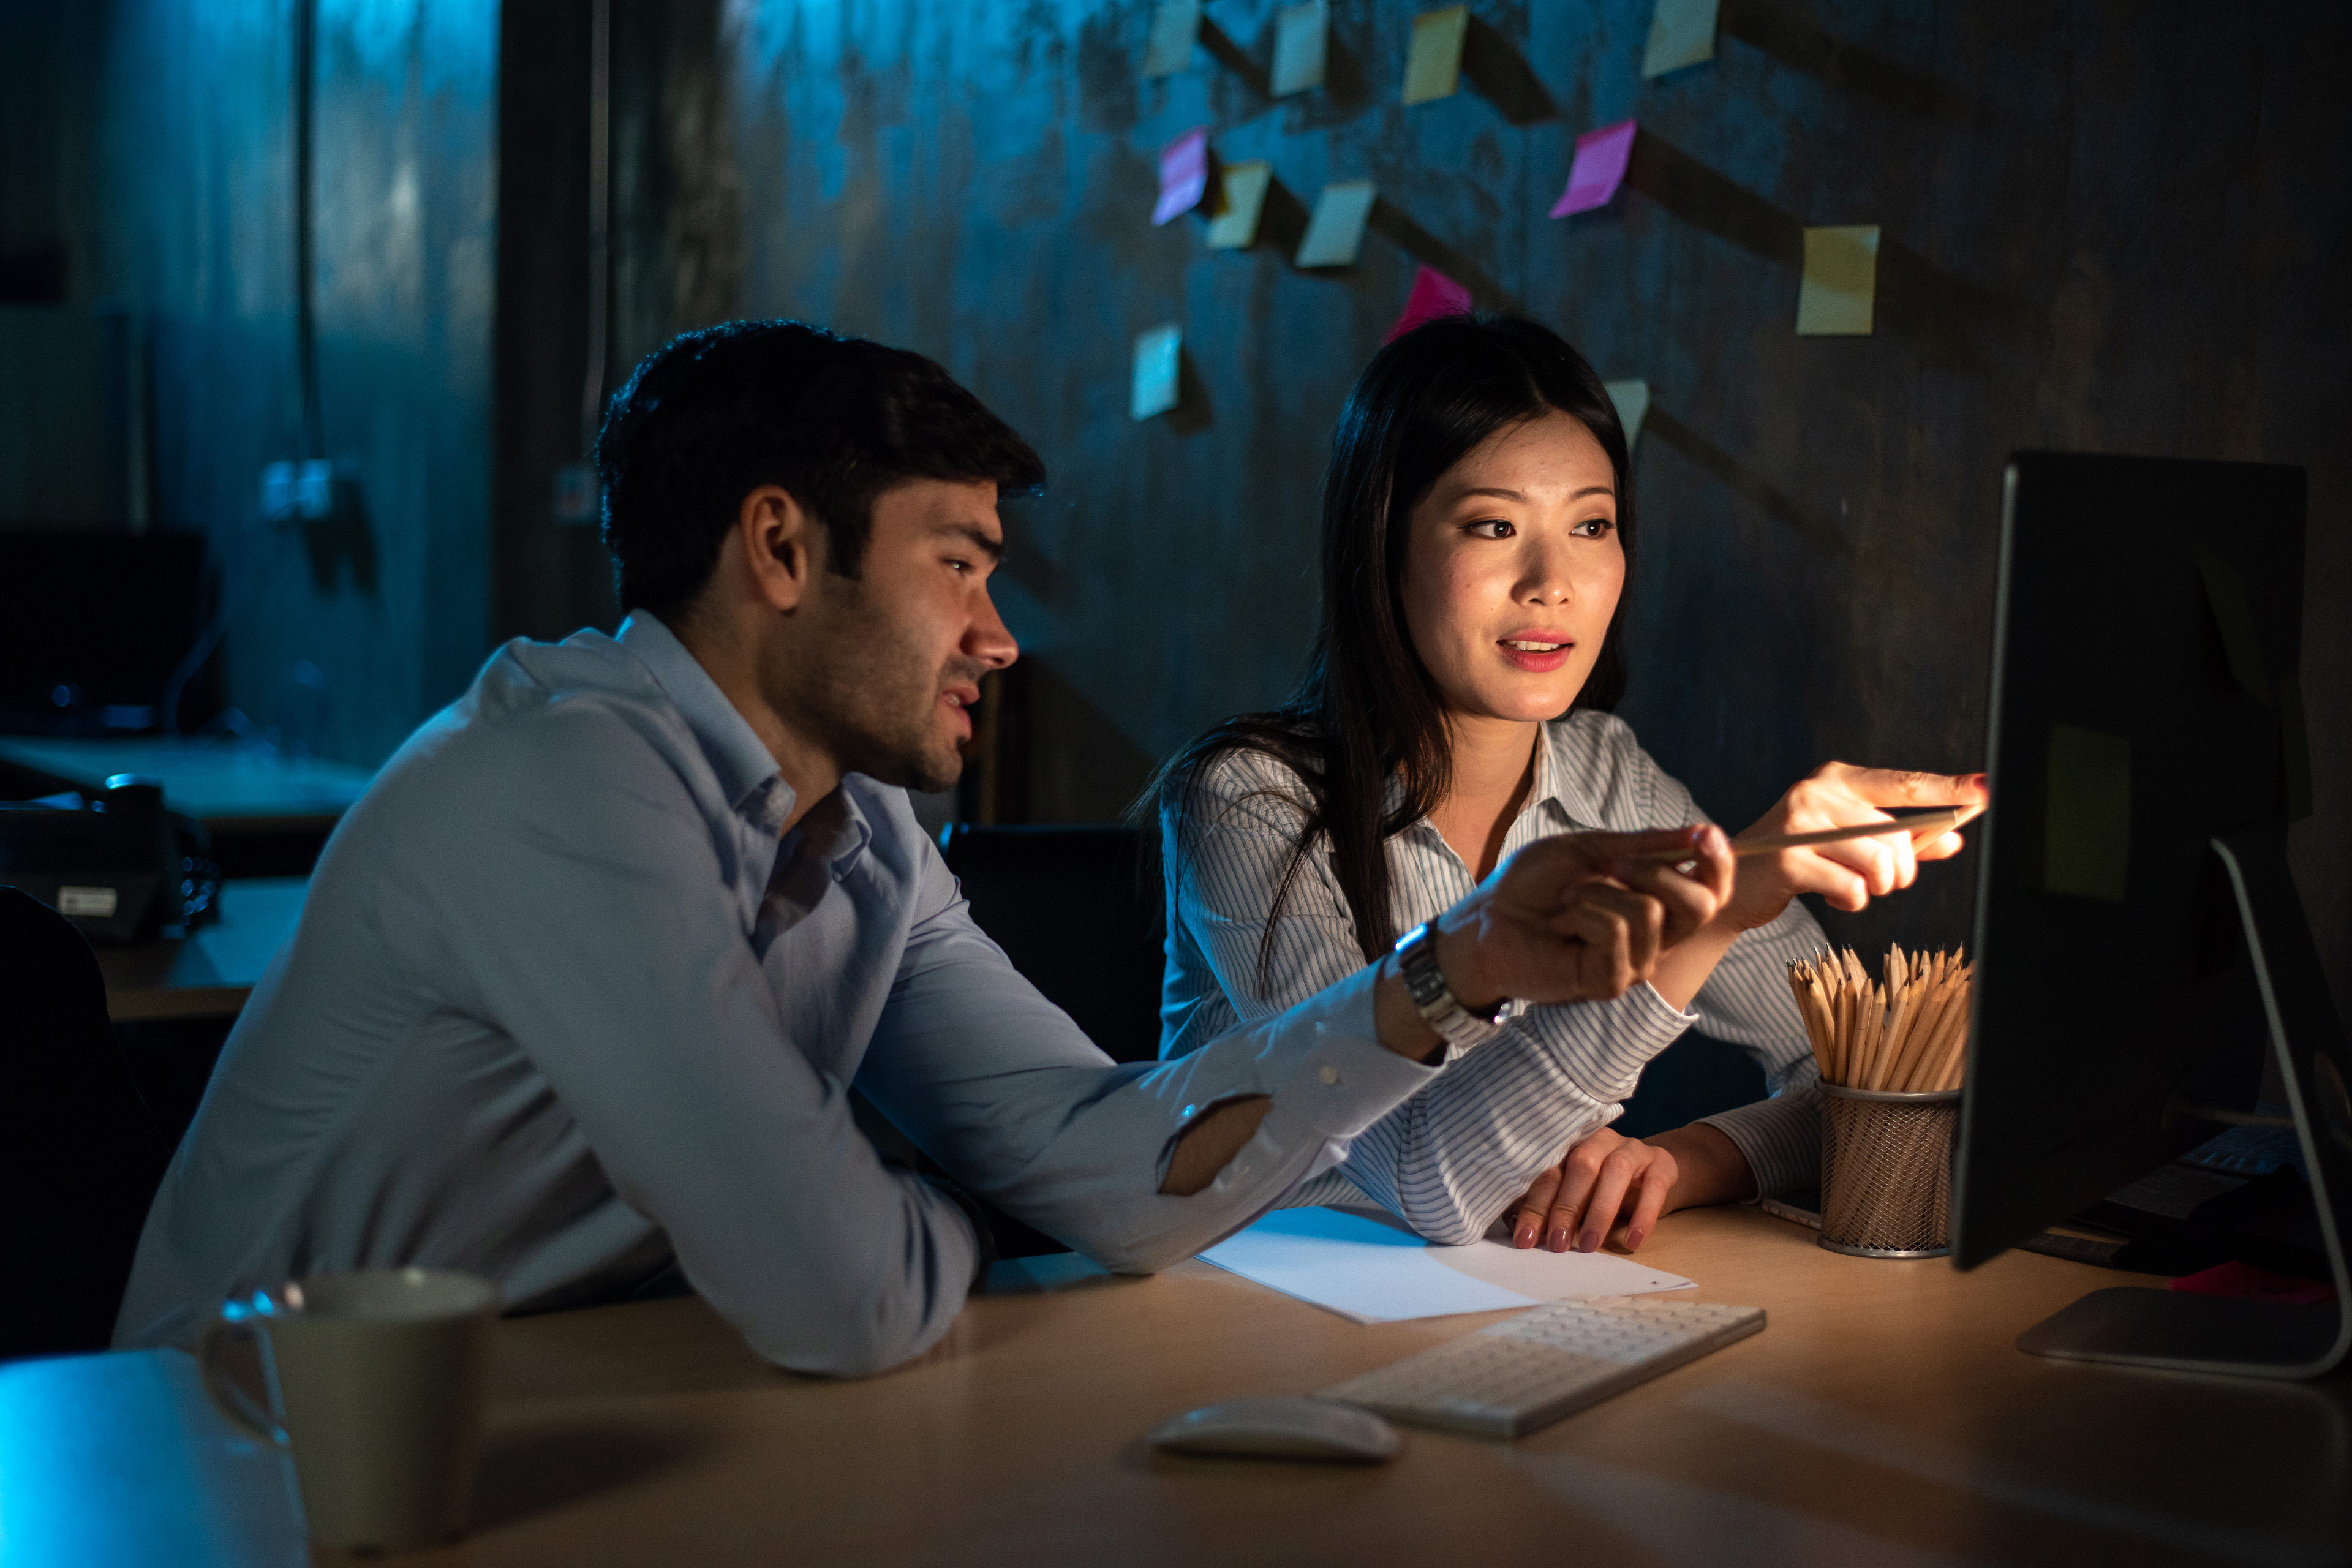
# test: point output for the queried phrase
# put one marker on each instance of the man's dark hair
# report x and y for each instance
(712, 416)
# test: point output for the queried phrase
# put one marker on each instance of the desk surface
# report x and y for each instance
(223, 786)
(209, 974)
(1882, 1418)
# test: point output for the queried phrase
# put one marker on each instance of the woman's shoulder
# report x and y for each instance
(1608, 778)
(1244, 772)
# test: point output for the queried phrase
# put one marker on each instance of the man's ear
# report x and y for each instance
(780, 545)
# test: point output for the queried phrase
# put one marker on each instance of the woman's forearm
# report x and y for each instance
(1684, 968)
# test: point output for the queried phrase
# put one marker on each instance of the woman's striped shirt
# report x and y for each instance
(1451, 1158)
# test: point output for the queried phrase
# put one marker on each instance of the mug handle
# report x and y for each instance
(234, 1320)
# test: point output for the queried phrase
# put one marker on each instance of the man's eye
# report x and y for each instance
(1492, 528)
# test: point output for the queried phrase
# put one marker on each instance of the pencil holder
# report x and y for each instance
(1886, 1172)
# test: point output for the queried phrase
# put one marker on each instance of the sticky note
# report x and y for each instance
(2233, 618)
(1243, 201)
(2086, 844)
(1433, 67)
(1598, 169)
(1175, 28)
(1183, 175)
(1841, 282)
(1158, 353)
(1433, 295)
(1337, 230)
(1682, 32)
(1301, 35)
(1633, 401)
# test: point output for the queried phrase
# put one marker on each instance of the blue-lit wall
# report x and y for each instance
(2104, 227)
(198, 214)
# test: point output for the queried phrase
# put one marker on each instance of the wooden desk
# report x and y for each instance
(1882, 1417)
(209, 974)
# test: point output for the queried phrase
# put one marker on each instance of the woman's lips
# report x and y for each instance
(1536, 654)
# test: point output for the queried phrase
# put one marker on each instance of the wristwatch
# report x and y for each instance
(1456, 1024)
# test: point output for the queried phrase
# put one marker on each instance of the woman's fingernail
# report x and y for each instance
(1559, 1238)
(1525, 1237)
(1633, 1240)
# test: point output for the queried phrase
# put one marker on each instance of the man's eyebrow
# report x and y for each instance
(980, 541)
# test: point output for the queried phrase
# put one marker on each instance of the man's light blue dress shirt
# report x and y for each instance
(559, 1012)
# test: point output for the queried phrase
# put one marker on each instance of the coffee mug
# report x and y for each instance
(375, 1388)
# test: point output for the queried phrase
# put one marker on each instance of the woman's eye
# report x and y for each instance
(1594, 528)
(1492, 528)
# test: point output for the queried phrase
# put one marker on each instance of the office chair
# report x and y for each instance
(79, 1159)
(1067, 906)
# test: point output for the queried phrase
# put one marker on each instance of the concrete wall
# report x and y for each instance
(2104, 226)
(387, 607)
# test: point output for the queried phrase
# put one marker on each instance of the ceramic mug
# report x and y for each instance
(375, 1381)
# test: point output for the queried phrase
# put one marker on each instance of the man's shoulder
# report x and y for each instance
(541, 723)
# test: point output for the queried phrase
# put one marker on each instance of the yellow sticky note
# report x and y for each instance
(1175, 28)
(1337, 230)
(1841, 282)
(1243, 199)
(1433, 67)
(1301, 35)
(1682, 32)
(2086, 846)
(1633, 401)
(1159, 357)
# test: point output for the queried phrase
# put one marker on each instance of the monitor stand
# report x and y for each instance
(2188, 1333)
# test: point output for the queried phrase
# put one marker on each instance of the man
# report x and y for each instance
(582, 984)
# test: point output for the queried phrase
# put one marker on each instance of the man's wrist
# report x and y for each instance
(1457, 960)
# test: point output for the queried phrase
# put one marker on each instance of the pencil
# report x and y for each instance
(1927, 822)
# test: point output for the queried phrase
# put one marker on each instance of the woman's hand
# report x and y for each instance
(1578, 1201)
(1847, 875)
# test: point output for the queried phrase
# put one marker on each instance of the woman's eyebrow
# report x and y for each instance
(1515, 495)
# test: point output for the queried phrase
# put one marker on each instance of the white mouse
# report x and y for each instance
(1280, 1429)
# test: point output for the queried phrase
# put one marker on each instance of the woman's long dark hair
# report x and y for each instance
(1367, 710)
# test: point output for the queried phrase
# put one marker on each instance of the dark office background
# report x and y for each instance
(2107, 227)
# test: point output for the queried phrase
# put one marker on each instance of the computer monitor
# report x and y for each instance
(92, 628)
(2141, 952)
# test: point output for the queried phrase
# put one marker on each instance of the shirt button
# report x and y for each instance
(1329, 1074)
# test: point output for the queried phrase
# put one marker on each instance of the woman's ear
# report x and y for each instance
(774, 540)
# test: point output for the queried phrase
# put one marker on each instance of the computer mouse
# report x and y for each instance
(1280, 1429)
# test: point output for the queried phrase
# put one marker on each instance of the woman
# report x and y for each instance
(1477, 534)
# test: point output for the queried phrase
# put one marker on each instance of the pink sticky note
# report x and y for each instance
(1433, 295)
(1599, 168)
(1183, 175)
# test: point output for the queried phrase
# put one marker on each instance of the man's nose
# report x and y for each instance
(987, 639)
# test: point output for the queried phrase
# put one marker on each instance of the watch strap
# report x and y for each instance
(1442, 1011)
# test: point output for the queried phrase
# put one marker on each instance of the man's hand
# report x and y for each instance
(1847, 875)
(1577, 918)
(1578, 1201)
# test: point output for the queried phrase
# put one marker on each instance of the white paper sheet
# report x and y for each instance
(1370, 1269)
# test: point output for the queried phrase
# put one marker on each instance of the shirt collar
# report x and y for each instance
(746, 768)
(1555, 780)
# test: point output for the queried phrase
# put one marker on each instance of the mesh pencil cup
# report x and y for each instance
(1886, 1172)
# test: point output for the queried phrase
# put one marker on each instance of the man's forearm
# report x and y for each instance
(1217, 1135)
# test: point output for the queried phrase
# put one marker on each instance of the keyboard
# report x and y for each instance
(1526, 1372)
